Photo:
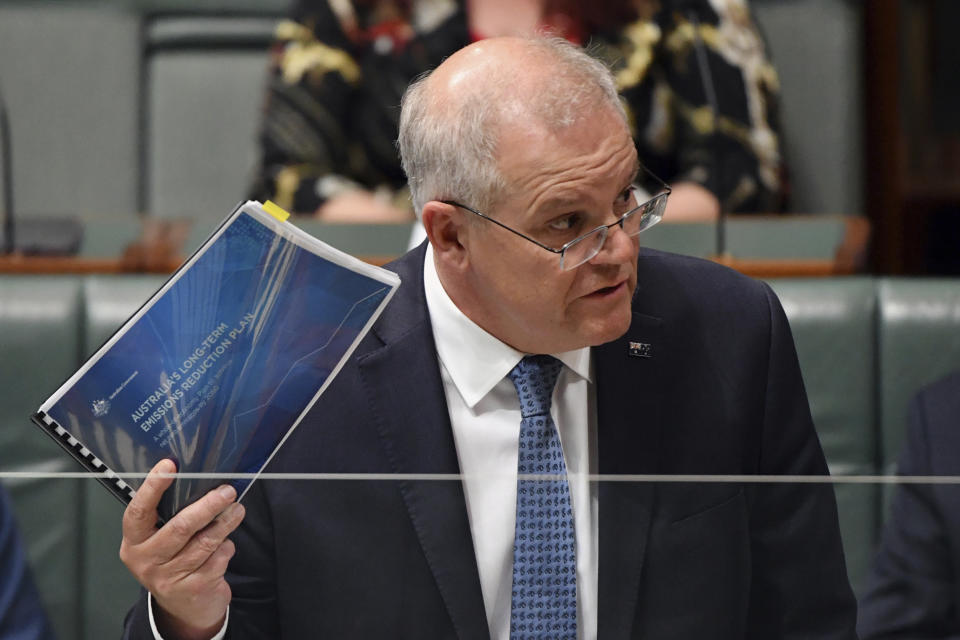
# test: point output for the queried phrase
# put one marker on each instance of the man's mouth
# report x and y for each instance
(608, 291)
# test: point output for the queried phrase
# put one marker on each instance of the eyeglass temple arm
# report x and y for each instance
(454, 203)
(666, 187)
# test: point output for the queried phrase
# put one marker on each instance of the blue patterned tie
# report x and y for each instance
(544, 603)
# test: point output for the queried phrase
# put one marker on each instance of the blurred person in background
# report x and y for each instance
(21, 614)
(699, 89)
(913, 589)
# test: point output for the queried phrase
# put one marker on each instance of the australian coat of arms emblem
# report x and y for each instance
(100, 407)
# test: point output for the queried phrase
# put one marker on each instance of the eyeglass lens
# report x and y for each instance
(639, 219)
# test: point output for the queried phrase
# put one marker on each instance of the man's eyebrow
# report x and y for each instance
(562, 202)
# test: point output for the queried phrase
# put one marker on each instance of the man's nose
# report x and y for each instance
(618, 247)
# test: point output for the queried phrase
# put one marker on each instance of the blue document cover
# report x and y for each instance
(218, 367)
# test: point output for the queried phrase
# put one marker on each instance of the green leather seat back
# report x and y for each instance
(810, 237)
(919, 342)
(39, 346)
(206, 79)
(109, 589)
(833, 324)
(74, 106)
(816, 48)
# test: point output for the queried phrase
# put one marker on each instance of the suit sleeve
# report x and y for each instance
(799, 587)
(252, 572)
(911, 590)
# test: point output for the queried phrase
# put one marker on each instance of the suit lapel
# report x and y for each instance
(402, 380)
(629, 382)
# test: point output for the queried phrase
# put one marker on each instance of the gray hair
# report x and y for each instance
(448, 147)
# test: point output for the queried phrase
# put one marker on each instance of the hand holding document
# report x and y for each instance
(183, 563)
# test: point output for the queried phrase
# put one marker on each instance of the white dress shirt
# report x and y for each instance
(485, 415)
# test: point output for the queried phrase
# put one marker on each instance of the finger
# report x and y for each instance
(216, 565)
(209, 540)
(140, 516)
(180, 529)
(205, 593)
(201, 583)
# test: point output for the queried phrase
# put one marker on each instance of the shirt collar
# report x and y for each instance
(475, 359)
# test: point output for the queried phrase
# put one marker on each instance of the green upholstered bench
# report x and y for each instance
(49, 325)
(834, 328)
(39, 348)
(865, 345)
(108, 587)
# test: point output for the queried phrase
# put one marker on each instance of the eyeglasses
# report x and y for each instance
(641, 217)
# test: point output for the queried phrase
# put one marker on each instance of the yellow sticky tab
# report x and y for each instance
(275, 210)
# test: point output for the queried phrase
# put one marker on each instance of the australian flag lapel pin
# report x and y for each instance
(639, 350)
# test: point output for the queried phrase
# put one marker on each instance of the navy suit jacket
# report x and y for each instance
(720, 393)
(913, 590)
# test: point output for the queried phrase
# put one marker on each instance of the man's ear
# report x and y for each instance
(446, 229)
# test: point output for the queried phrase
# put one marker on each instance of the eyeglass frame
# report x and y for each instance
(604, 228)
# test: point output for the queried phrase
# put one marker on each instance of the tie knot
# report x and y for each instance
(534, 378)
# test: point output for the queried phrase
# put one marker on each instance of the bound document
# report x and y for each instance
(219, 366)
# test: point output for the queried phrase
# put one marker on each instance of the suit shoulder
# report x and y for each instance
(664, 275)
(696, 269)
(941, 398)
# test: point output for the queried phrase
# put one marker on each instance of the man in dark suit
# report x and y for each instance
(913, 589)
(521, 165)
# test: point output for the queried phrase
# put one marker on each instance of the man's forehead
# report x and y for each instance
(576, 195)
(566, 171)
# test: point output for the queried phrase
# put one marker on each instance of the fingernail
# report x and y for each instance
(228, 492)
(164, 466)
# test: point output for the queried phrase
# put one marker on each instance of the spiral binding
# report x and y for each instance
(86, 457)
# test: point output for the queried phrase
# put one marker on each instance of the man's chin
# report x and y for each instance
(610, 328)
